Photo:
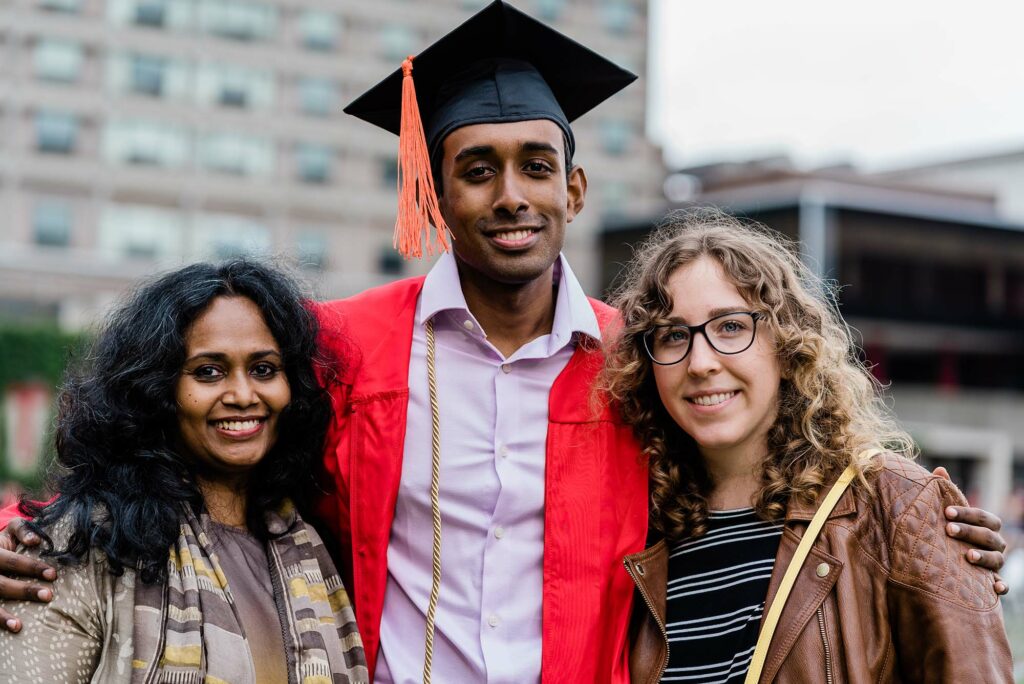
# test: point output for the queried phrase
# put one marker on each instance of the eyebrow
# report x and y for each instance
(221, 356)
(475, 151)
(539, 147)
(714, 313)
(484, 150)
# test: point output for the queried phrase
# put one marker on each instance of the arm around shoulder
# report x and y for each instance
(947, 623)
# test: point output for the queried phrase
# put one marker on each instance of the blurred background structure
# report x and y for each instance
(137, 135)
(930, 262)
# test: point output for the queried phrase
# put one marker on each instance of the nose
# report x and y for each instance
(240, 391)
(702, 360)
(510, 194)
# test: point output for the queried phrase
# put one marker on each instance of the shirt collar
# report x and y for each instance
(442, 291)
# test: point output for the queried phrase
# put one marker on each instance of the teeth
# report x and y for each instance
(712, 399)
(513, 235)
(237, 425)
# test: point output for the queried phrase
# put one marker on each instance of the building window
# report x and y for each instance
(550, 10)
(225, 236)
(51, 224)
(320, 30)
(151, 13)
(314, 162)
(56, 132)
(615, 136)
(317, 96)
(311, 250)
(397, 42)
(231, 86)
(57, 60)
(145, 143)
(68, 6)
(148, 75)
(615, 195)
(238, 19)
(389, 172)
(140, 232)
(237, 154)
(154, 14)
(618, 16)
(390, 262)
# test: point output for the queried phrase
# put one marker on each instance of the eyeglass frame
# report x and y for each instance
(755, 316)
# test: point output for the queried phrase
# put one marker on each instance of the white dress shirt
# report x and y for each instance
(493, 415)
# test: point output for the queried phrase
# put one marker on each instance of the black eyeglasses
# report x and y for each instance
(728, 333)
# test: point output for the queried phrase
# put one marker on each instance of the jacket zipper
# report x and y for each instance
(280, 603)
(654, 613)
(824, 642)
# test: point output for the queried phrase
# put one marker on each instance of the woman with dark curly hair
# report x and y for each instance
(743, 384)
(196, 421)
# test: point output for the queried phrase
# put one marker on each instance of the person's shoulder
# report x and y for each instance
(903, 486)
(350, 326)
(60, 535)
(895, 474)
(394, 294)
(906, 491)
(609, 321)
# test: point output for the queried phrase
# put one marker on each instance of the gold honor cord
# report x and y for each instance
(435, 504)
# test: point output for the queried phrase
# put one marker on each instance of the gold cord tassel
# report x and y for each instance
(435, 503)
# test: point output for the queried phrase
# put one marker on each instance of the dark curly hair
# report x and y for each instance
(121, 476)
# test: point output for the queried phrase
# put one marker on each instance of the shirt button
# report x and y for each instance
(506, 368)
(822, 570)
(493, 620)
(503, 451)
(499, 532)
(468, 324)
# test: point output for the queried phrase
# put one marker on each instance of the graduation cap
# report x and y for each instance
(499, 66)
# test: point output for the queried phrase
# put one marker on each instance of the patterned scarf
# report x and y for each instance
(187, 630)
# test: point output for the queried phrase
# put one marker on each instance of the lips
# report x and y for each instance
(513, 238)
(712, 399)
(239, 428)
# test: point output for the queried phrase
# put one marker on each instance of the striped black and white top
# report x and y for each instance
(716, 592)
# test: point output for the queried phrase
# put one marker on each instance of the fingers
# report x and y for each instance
(17, 590)
(22, 533)
(1000, 585)
(943, 473)
(990, 560)
(976, 516)
(10, 622)
(20, 565)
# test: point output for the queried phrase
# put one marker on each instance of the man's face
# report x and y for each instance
(506, 198)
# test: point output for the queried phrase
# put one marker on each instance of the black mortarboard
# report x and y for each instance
(499, 66)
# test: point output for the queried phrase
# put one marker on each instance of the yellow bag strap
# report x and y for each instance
(771, 621)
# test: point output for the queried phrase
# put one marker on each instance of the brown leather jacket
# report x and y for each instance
(884, 596)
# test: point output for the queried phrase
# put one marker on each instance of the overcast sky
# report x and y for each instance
(878, 83)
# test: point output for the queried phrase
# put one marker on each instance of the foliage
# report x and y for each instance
(32, 354)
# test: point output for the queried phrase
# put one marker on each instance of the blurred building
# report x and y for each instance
(1000, 175)
(932, 278)
(136, 135)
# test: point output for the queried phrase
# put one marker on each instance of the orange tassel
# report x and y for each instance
(417, 200)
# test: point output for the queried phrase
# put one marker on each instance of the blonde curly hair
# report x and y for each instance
(829, 405)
